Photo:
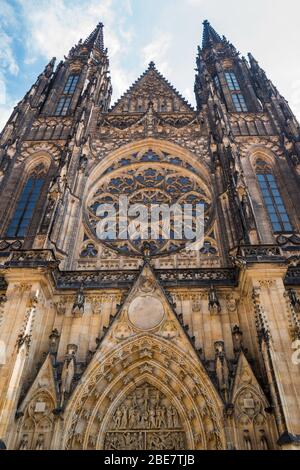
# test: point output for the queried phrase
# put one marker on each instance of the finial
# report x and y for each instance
(210, 36)
(96, 39)
(151, 65)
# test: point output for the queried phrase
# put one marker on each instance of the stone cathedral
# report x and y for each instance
(133, 345)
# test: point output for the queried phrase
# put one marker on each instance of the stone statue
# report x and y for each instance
(40, 442)
(146, 420)
(294, 300)
(48, 214)
(247, 211)
(247, 440)
(78, 307)
(263, 441)
(24, 443)
(83, 162)
(213, 301)
(68, 372)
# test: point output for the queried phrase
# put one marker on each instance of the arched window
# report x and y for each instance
(25, 207)
(238, 98)
(64, 102)
(272, 198)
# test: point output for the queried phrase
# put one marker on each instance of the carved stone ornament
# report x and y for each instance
(145, 420)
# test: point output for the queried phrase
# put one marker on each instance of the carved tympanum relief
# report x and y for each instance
(145, 420)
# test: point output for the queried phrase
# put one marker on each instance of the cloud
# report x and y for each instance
(138, 31)
(8, 62)
(157, 51)
(195, 3)
(52, 28)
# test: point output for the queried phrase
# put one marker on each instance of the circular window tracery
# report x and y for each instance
(147, 181)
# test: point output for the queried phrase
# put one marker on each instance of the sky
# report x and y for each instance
(138, 31)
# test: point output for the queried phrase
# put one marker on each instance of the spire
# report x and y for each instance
(253, 62)
(50, 67)
(96, 39)
(263, 86)
(210, 36)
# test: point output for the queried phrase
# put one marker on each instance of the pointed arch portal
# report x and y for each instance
(145, 394)
(146, 386)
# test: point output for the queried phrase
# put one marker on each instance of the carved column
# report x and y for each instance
(264, 283)
(26, 296)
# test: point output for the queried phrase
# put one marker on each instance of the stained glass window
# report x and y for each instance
(239, 103)
(63, 106)
(71, 85)
(238, 98)
(274, 203)
(232, 81)
(25, 208)
(65, 101)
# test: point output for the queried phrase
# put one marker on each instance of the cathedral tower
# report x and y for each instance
(141, 344)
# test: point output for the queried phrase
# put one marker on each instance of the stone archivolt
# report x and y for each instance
(110, 385)
(159, 373)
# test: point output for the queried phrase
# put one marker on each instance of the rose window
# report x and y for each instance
(148, 185)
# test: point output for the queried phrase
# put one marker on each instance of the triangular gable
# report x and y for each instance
(244, 378)
(153, 88)
(147, 310)
(44, 382)
(147, 345)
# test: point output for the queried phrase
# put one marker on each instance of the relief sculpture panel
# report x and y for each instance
(146, 420)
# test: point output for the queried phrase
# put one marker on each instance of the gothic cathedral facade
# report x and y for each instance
(130, 345)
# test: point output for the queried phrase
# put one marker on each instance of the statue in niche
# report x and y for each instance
(213, 301)
(48, 214)
(247, 440)
(294, 300)
(247, 211)
(40, 442)
(24, 442)
(68, 372)
(263, 441)
(83, 162)
(78, 307)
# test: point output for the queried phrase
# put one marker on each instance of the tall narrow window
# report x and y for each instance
(25, 208)
(273, 199)
(239, 103)
(235, 89)
(71, 85)
(232, 81)
(65, 100)
(63, 106)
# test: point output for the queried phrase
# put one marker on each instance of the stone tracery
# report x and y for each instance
(146, 420)
(95, 409)
(148, 183)
(36, 426)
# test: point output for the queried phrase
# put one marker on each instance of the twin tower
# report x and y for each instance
(143, 345)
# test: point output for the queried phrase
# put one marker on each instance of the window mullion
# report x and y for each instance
(275, 204)
(21, 219)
